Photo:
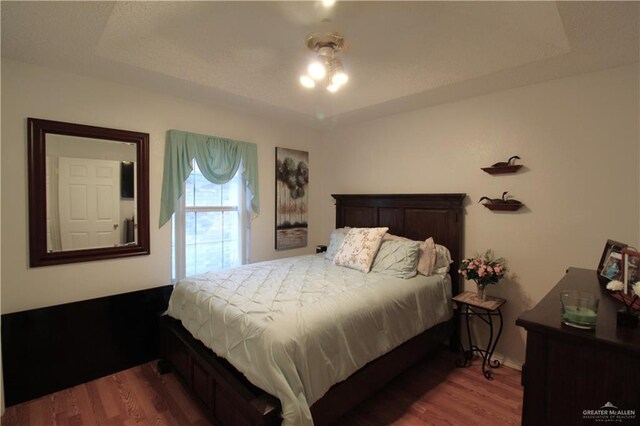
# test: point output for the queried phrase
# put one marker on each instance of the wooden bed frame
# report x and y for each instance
(229, 398)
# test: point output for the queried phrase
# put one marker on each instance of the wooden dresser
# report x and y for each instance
(569, 371)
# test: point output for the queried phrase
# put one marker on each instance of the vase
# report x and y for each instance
(627, 318)
(480, 293)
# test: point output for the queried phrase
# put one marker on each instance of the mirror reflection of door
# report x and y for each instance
(89, 197)
(87, 204)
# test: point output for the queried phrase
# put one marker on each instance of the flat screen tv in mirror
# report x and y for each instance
(88, 193)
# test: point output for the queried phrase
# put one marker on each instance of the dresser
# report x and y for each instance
(572, 376)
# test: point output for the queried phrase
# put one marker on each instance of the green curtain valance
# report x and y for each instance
(218, 159)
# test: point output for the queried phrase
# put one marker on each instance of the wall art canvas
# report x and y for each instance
(292, 184)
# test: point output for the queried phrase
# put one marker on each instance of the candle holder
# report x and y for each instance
(579, 309)
(627, 318)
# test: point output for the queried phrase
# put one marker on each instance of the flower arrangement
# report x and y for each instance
(626, 316)
(618, 286)
(483, 269)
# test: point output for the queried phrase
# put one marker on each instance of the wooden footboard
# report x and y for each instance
(230, 399)
(224, 393)
(346, 395)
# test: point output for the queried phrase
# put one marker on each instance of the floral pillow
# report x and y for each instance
(359, 248)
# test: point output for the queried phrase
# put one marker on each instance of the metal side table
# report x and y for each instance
(470, 305)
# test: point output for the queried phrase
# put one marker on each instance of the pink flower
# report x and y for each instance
(483, 268)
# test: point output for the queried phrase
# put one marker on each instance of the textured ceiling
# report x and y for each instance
(249, 55)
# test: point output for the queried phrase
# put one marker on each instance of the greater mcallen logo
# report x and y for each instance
(609, 413)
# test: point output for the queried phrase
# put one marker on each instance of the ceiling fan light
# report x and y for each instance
(326, 51)
(339, 78)
(317, 71)
(325, 69)
(307, 82)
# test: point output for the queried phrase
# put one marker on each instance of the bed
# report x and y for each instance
(230, 398)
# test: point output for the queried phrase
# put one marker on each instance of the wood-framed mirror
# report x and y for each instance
(88, 193)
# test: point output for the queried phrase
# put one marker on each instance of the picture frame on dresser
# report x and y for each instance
(631, 269)
(610, 266)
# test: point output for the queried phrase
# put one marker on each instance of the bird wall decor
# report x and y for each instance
(503, 203)
(505, 163)
(493, 200)
(502, 167)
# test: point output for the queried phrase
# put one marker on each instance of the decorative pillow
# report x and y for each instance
(427, 259)
(391, 237)
(443, 260)
(359, 247)
(335, 241)
(397, 258)
(426, 255)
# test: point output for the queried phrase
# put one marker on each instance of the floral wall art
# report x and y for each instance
(292, 183)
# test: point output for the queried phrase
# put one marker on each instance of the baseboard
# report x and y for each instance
(507, 361)
(49, 349)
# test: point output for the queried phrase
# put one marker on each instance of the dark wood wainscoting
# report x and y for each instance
(48, 349)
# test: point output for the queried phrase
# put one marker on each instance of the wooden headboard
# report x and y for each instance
(414, 216)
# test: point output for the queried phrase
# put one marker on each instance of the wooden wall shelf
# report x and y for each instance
(503, 206)
(497, 170)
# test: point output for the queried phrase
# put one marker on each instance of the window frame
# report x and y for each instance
(178, 240)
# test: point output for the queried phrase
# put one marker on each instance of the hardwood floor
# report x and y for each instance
(434, 392)
(134, 396)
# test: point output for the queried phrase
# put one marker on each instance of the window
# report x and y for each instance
(208, 226)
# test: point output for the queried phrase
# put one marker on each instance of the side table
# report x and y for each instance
(470, 305)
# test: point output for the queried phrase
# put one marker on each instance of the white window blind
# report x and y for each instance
(208, 226)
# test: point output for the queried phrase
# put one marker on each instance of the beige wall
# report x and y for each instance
(30, 91)
(1, 370)
(578, 140)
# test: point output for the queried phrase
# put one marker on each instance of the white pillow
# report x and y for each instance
(443, 260)
(397, 258)
(426, 255)
(359, 248)
(335, 241)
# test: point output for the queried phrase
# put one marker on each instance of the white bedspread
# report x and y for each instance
(295, 327)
